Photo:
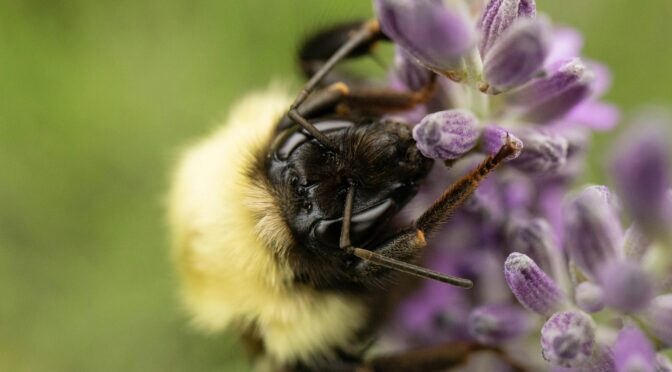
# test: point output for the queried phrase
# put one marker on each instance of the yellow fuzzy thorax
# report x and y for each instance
(231, 260)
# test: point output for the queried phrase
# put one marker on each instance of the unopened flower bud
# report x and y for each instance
(500, 15)
(568, 338)
(408, 73)
(659, 318)
(535, 239)
(494, 324)
(518, 55)
(593, 230)
(542, 152)
(633, 351)
(533, 288)
(549, 98)
(641, 170)
(436, 33)
(446, 134)
(494, 137)
(589, 297)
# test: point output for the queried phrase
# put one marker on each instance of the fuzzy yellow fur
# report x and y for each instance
(231, 262)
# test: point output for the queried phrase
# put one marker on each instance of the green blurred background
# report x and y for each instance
(96, 98)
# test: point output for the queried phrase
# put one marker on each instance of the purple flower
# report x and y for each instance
(659, 318)
(408, 73)
(549, 98)
(627, 286)
(593, 230)
(641, 169)
(494, 324)
(633, 351)
(436, 34)
(533, 288)
(500, 15)
(494, 137)
(566, 43)
(446, 134)
(568, 338)
(535, 239)
(542, 152)
(517, 55)
(589, 297)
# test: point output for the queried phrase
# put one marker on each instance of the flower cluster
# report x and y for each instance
(499, 70)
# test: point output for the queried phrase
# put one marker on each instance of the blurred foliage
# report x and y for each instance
(96, 99)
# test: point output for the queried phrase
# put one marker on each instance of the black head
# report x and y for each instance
(380, 158)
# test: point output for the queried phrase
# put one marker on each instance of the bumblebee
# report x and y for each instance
(282, 218)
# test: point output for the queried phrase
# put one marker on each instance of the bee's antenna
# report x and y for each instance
(390, 263)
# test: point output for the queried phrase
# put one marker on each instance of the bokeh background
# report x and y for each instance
(96, 99)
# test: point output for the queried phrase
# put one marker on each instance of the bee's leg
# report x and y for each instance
(339, 98)
(319, 47)
(436, 358)
(405, 245)
(365, 34)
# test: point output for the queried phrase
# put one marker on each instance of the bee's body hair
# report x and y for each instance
(232, 246)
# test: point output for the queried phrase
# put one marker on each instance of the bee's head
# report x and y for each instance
(380, 159)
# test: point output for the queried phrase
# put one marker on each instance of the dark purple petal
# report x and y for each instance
(589, 297)
(434, 33)
(500, 15)
(568, 339)
(659, 318)
(518, 54)
(549, 98)
(593, 229)
(542, 151)
(533, 288)
(446, 134)
(641, 170)
(494, 137)
(633, 351)
(494, 324)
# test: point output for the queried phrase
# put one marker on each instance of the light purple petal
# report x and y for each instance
(498, 16)
(446, 134)
(642, 172)
(549, 98)
(592, 229)
(518, 55)
(533, 288)
(627, 286)
(408, 72)
(542, 151)
(659, 318)
(589, 297)
(535, 239)
(567, 43)
(494, 137)
(568, 338)
(434, 33)
(635, 243)
(633, 351)
(596, 115)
